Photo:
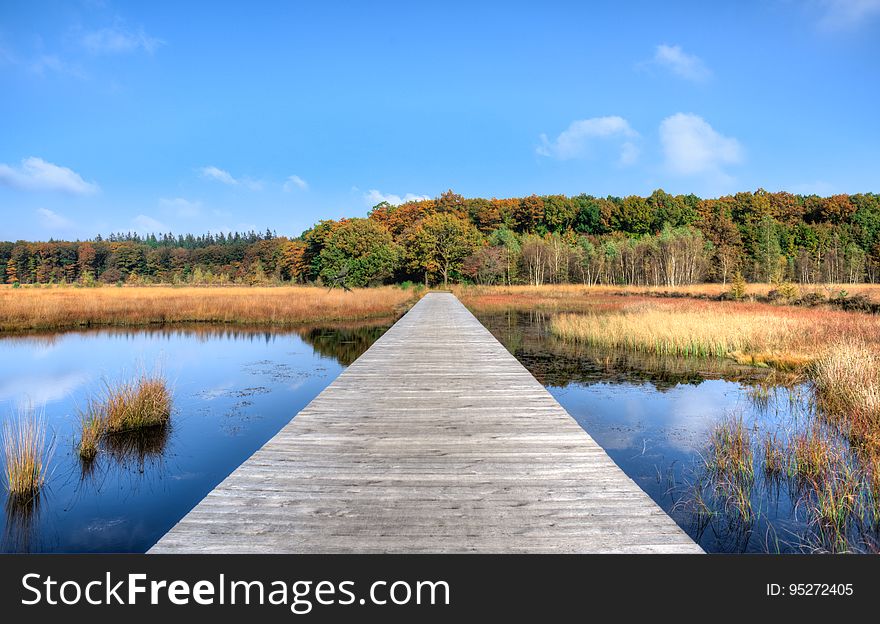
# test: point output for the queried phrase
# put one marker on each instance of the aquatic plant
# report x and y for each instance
(125, 407)
(686, 321)
(774, 456)
(92, 428)
(813, 454)
(26, 454)
(142, 402)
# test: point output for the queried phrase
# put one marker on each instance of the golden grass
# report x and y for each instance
(785, 337)
(144, 402)
(774, 457)
(846, 382)
(68, 307)
(25, 454)
(565, 296)
(872, 291)
(688, 333)
(91, 430)
(129, 406)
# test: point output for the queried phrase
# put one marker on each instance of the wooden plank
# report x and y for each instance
(435, 440)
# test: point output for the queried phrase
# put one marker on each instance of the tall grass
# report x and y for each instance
(751, 338)
(562, 292)
(65, 307)
(143, 402)
(774, 457)
(846, 382)
(753, 333)
(730, 466)
(92, 429)
(124, 408)
(26, 455)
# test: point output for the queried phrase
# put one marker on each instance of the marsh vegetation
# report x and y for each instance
(124, 409)
(782, 458)
(67, 307)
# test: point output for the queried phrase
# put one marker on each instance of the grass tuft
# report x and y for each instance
(92, 429)
(129, 407)
(774, 457)
(26, 456)
(144, 402)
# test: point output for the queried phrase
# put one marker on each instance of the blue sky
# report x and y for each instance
(186, 116)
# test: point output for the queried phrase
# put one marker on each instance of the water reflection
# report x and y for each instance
(654, 415)
(557, 363)
(234, 387)
(133, 449)
(22, 516)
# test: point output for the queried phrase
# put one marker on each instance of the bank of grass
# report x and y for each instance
(755, 333)
(754, 338)
(122, 408)
(846, 383)
(25, 455)
(565, 296)
(23, 309)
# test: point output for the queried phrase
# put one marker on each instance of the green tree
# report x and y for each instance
(444, 242)
(362, 251)
(634, 215)
(508, 240)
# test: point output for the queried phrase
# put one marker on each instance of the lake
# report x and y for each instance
(233, 390)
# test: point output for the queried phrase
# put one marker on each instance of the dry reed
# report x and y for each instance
(129, 406)
(26, 455)
(66, 307)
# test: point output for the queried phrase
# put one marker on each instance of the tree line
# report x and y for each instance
(661, 239)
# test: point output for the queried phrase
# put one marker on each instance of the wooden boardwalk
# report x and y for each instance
(435, 440)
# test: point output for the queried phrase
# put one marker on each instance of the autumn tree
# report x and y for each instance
(444, 241)
(530, 213)
(292, 262)
(360, 250)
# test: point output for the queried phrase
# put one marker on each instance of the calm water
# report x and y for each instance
(654, 417)
(233, 390)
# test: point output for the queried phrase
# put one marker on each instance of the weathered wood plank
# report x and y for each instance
(435, 440)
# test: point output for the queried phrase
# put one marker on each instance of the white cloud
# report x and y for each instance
(32, 389)
(629, 153)
(847, 14)
(295, 182)
(221, 175)
(182, 207)
(149, 225)
(373, 197)
(53, 221)
(578, 139)
(680, 63)
(119, 41)
(214, 173)
(35, 174)
(691, 146)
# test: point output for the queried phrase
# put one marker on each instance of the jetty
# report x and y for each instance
(435, 440)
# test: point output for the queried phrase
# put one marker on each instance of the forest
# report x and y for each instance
(659, 240)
